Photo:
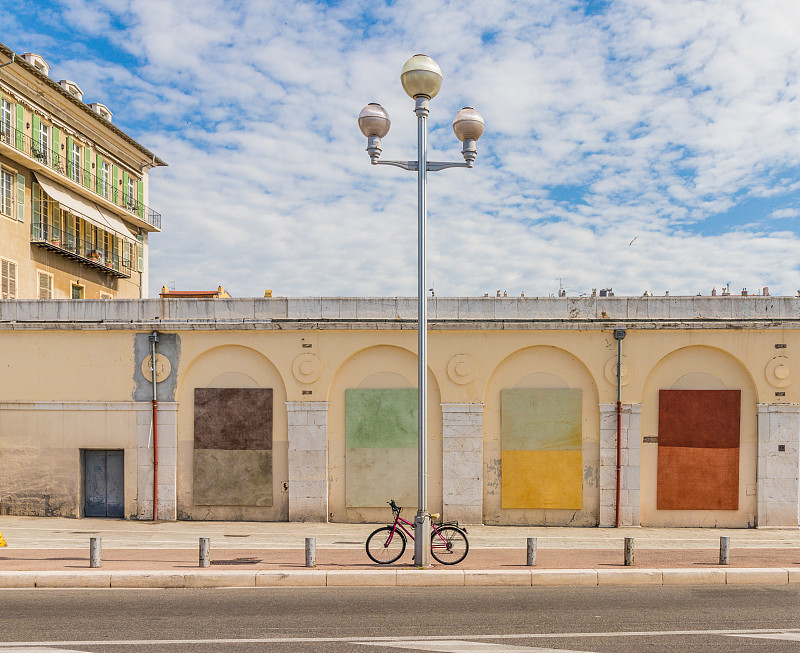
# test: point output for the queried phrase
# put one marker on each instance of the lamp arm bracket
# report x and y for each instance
(435, 166)
(405, 165)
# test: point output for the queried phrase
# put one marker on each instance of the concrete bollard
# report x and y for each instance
(311, 552)
(94, 552)
(628, 551)
(531, 552)
(205, 548)
(724, 550)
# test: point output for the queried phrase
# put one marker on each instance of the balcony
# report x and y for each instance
(52, 238)
(58, 163)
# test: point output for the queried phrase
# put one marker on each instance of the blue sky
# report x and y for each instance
(635, 144)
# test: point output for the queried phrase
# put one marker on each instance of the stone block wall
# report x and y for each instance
(462, 462)
(630, 461)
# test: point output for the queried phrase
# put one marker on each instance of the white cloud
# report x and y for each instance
(660, 116)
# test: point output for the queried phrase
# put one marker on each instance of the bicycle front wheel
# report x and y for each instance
(384, 547)
(449, 546)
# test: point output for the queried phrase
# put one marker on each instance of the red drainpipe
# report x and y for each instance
(153, 340)
(619, 334)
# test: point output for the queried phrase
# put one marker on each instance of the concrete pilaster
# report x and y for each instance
(462, 462)
(167, 460)
(778, 464)
(631, 448)
(308, 460)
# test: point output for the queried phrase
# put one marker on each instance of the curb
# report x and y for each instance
(395, 578)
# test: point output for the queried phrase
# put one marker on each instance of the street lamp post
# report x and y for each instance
(421, 78)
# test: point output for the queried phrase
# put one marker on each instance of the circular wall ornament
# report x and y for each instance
(307, 368)
(163, 368)
(462, 369)
(779, 372)
(626, 373)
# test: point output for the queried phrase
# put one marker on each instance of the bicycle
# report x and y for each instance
(449, 544)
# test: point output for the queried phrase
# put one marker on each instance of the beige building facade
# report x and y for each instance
(74, 214)
(304, 409)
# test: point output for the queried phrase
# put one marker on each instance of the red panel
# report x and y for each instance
(699, 418)
(694, 478)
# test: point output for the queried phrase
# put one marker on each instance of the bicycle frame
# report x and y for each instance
(402, 523)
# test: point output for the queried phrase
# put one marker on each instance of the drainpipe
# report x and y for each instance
(153, 338)
(619, 334)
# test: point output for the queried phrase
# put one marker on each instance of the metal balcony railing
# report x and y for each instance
(92, 255)
(58, 162)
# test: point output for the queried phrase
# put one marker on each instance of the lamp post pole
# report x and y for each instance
(421, 79)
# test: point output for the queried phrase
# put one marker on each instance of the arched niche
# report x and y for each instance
(378, 368)
(698, 368)
(232, 366)
(541, 367)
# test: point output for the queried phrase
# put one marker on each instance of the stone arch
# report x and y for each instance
(544, 367)
(378, 367)
(701, 368)
(231, 366)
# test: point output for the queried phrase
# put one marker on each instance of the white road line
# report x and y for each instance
(38, 649)
(375, 640)
(785, 636)
(463, 646)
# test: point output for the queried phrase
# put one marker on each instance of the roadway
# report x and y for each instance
(387, 620)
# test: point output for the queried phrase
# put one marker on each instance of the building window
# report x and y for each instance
(77, 291)
(8, 287)
(106, 179)
(131, 194)
(6, 193)
(45, 285)
(44, 141)
(76, 171)
(5, 120)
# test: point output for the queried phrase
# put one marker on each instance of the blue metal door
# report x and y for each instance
(103, 483)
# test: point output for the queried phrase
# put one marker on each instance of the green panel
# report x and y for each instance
(232, 478)
(381, 418)
(140, 253)
(36, 216)
(35, 134)
(541, 419)
(20, 127)
(140, 198)
(56, 147)
(114, 184)
(87, 174)
(373, 476)
(70, 162)
(98, 172)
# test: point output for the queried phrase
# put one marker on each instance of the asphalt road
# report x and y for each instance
(388, 620)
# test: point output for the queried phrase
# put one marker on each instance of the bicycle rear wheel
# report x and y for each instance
(383, 547)
(449, 546)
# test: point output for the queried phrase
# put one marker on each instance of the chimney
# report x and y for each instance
(713, 292)
(744, 292)
(765, 292)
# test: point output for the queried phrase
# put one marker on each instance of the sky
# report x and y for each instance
(632, 144)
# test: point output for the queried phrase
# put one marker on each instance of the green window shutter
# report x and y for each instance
(70, 160)
(35, 131)
(98, 175)
(36, 222)
(87, 175)
(140, 253)
(20, 197)
(56, 147)
(20, 127)
(115, 184)
(126, 201)
(140, 198)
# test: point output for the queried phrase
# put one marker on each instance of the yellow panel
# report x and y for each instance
(542, 479)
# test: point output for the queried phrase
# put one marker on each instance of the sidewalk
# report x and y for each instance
(47, 552)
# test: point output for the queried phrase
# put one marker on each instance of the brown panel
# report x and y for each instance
(692, 478)
(699, 418)
(233, 418)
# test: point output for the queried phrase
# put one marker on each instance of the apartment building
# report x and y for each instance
(74, 214)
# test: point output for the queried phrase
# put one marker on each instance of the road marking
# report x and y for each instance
(785, 636)
(749, 632)
(463, 646)
(38, 649)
